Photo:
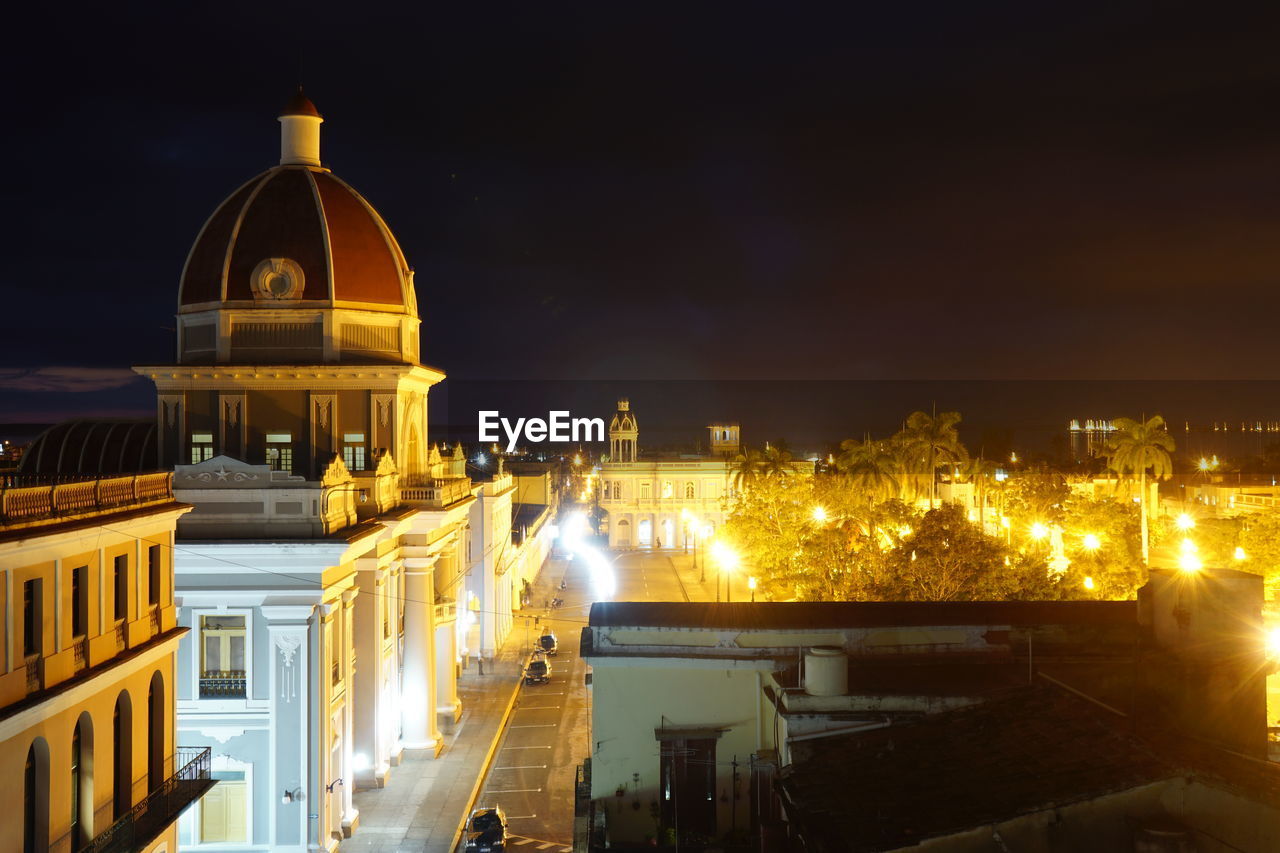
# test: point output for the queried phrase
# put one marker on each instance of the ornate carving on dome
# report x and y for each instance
(277, 279)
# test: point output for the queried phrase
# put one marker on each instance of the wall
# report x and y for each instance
(631, 699)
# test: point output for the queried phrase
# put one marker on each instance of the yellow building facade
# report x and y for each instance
(87, 721)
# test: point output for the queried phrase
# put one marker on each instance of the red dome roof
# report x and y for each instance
(347, 255)
(300, 105)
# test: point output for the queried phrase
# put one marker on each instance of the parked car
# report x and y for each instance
(546, 644)
(537, 670)
(486, 831)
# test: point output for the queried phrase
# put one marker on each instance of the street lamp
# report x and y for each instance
(726, 559)
(1039, 530)
(1185, 522)
(751, 585)
(1091, 542)
(819, 514)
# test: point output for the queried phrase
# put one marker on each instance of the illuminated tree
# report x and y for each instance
(934, 442)
(1135, 448)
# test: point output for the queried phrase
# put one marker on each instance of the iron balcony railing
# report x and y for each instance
(216, 684)
(149, 818)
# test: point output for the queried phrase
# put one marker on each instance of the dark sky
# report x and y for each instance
(694, 190)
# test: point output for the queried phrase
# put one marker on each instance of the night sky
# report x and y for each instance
(645, 191)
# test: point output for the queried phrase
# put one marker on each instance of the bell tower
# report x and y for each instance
(623, 433)
(725, 439)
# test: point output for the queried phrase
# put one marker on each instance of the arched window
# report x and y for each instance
(688, 491)
(666, 488)
(35, 798)
(122, 756)
(155, 732)
(82, 782)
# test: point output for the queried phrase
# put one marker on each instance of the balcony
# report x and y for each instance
(215, 684)
(161, 808)
(39, 498)
(436, 493)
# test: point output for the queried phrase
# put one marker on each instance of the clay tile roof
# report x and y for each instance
(346, 252)
(300, 105)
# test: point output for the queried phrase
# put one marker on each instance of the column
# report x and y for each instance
(350, 815)
(448, 706)
(368, 747)
(418, 692)
(292, 760)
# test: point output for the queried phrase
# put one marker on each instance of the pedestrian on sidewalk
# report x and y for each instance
(480, 663)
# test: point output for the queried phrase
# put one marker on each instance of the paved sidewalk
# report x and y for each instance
(425, 799)
(694, 587)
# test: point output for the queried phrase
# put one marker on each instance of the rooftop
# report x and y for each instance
(860, 614)
(1031, 749)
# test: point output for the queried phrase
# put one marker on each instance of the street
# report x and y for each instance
(548, 733)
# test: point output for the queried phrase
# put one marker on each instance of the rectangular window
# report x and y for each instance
(79, 601)
(353, 450)
(280, 451)
(222, 657)
(644, 491)
(121, 586)
(153, 574)
(201, 447)
(335, 649)
(32, 618)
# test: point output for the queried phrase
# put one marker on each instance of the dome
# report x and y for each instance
(296, 235)
(93, 447)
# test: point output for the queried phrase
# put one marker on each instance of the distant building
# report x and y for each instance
(742, 721)
(668, 501)
(89, 746)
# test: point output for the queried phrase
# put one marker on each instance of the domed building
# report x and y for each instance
(297, 267)
(297, 327)
(318, 569)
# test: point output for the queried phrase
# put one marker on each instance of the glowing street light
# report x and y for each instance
(727, 559)
(1240, 554)
(1185, 522)
(1273, 643)
(1088, 583)
(819, 514)
(751, 585)
(1189, 560)
(1091, 542)
(1039, 530)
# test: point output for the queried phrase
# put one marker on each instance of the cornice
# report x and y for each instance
(264, 377)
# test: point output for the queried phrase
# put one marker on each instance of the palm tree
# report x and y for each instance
(873, 473)
(747, 467)
(935, 442)
(1135, 448)
(871, 468)
(776, 461)
(981, 472)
